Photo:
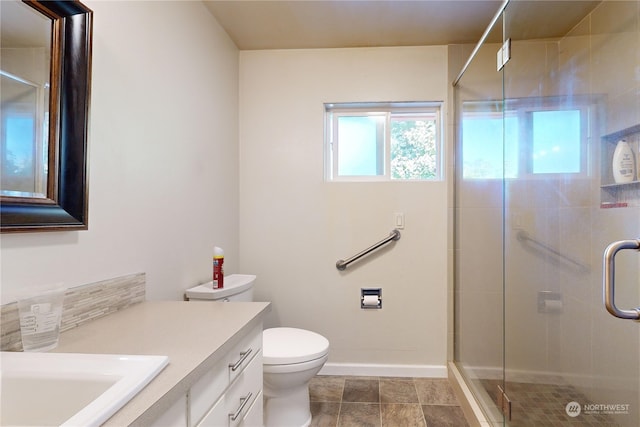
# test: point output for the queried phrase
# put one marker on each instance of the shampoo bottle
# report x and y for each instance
(218, 270)
(623, 163)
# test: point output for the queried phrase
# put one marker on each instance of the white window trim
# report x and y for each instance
(386, 109)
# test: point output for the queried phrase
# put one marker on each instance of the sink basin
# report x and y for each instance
(70, 389)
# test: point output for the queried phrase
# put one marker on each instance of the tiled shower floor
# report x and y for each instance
(344, 401)
(541, 405)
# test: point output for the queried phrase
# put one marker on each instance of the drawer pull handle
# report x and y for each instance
(243, 357)
(243, 403)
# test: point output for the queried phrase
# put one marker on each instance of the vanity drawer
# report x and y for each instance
(204, 393)
(237, 406)
(243, 353)
(244, 391)
(254, 414)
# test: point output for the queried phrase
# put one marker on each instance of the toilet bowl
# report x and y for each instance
(290, 357)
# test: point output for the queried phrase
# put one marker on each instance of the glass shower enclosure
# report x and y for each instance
(545, 231)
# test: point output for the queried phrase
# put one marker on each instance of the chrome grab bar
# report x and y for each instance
(608, 279)
(341, 264)
(523, 236)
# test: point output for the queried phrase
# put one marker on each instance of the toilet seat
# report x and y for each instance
(286, 346)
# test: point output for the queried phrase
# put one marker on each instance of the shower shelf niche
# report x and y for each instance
(612, 194)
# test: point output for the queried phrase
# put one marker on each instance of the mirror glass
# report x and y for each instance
(25, 58)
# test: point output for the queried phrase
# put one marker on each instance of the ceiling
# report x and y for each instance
(303, 24)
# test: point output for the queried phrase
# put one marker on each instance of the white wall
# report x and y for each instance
(295, 226)
(163, 156)
(164, 185)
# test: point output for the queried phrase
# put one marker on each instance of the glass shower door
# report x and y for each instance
(479, 337)
(572, 98)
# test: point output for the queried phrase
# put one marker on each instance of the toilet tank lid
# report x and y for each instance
(284, 346)
(233, 285)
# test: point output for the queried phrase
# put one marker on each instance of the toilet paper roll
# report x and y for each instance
(553, 305)
(370, 301)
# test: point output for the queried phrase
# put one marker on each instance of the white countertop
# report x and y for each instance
(194, 334)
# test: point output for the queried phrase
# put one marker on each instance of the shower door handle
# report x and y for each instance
(608, 279)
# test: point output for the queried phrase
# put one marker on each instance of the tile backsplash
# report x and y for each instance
(81, 304)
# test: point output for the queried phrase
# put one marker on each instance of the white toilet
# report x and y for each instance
(290, 357)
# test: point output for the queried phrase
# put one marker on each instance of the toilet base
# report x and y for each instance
(289, 410)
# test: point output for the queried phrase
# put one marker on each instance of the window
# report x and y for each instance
(555, 141)
(383, 142)
(483, 153)
(531, 137)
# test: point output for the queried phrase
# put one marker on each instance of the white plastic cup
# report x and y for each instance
(40, 318)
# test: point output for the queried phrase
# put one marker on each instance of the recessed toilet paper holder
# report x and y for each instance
(370, 298)
(549, 302)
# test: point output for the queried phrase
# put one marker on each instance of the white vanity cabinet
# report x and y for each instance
(230, 394)
(175, 416)
(197, 387)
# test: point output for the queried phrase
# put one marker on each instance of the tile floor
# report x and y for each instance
(344, 401)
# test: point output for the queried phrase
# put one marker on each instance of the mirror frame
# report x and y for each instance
(66, 204)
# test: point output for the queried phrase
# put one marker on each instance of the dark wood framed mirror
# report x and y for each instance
(61, 203)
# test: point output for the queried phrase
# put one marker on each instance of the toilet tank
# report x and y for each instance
(237, 287)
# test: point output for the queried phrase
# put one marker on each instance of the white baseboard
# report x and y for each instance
(382, 370)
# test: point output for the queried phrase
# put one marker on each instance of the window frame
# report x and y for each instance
(389, 110)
